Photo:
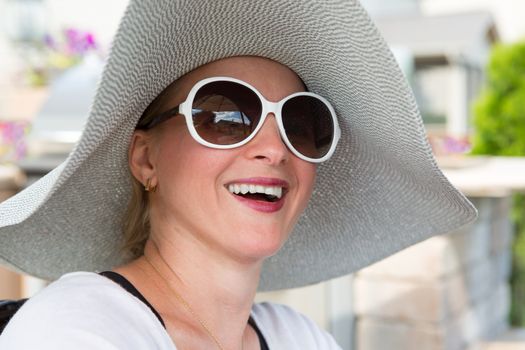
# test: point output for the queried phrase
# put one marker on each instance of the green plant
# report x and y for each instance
(517, 278)
(499, 121)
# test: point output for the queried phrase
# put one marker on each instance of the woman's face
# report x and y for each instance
(193, 201)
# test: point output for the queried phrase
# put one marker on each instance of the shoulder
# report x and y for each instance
(283, 327)
(82, 308)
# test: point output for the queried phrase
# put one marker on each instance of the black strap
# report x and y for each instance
(118, 278)
(7, 310)
(121, 280)
(262, 341)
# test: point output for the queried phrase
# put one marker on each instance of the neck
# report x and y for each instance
(219, 292)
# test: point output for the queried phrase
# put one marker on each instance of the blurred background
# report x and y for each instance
(465, 60)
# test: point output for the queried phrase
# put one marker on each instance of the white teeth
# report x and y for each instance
(276, 191)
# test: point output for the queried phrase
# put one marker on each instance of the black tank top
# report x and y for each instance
(124, 283)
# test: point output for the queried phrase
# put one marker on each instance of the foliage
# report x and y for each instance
(517, 279)
(500, 130)
(500, 110)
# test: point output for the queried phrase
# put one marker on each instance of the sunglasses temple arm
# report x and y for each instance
(160, 118)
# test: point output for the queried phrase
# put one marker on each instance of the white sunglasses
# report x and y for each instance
(224, 113)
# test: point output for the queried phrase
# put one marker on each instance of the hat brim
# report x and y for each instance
(381, 191)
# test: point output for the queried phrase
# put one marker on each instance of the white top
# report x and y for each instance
(84, 310)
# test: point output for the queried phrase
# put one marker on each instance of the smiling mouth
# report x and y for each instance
(257, 192)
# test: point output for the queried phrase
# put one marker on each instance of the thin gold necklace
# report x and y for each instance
(187, 305)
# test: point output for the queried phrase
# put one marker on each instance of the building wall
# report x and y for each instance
(447, 293)
(508, 14)
(383, 7)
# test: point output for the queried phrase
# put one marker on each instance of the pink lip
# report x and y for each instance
(262, 206)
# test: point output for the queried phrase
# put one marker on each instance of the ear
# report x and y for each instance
(141, 156)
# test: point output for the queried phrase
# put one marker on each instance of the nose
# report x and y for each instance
(267, 145)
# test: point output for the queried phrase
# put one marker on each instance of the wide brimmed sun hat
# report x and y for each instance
(381, 191)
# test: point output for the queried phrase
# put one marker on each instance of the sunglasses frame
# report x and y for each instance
(185, 108)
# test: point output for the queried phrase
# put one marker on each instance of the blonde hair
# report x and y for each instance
(136, 222)
(136, 225)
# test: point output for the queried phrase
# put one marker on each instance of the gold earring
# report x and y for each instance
(148, 186)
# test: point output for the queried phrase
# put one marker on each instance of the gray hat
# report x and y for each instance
(379, 193)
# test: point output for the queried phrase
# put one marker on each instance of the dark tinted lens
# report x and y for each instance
(225, 112)
(308, 125)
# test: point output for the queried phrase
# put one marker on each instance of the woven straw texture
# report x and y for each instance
(380, 193)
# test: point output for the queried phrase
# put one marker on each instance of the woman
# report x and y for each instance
(209, 257)
(188, 108)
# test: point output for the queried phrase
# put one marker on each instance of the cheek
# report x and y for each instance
(306, 173)
(189, 170)
(178, 154)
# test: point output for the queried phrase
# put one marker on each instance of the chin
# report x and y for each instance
(258, 243)
(264, 252)
(261, 245)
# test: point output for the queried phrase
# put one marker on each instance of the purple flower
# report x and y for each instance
(454, 145)
(90, 40)
(49, 41)
(78, 42)
(12, 138)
